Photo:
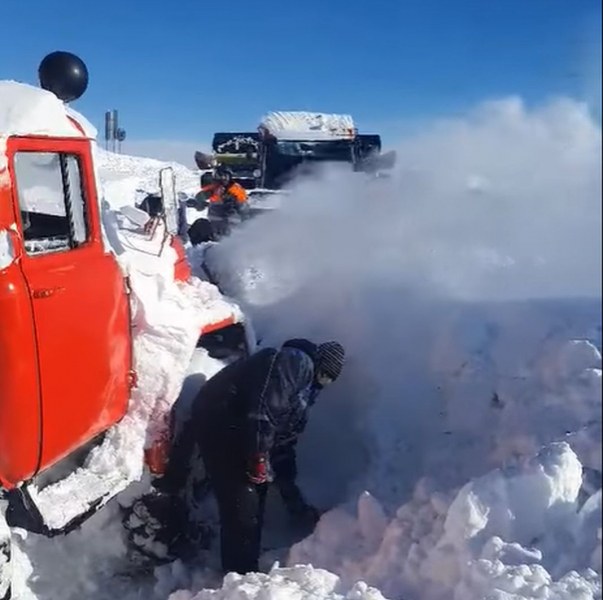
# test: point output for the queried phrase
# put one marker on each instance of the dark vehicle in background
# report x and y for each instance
(289, 144)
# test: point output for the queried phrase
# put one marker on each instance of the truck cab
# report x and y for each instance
(67, 330)
(289, 144)
(63, 298)
(240, 151)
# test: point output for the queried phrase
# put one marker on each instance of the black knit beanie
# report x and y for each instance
(330, 357)
(304, 345)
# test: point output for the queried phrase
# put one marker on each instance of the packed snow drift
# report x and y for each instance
(459, 455)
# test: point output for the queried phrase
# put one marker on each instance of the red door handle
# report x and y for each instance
(46, 292)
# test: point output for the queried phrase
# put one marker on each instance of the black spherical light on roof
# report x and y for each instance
(64, 74)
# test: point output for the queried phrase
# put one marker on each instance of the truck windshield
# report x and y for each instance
(330, 150)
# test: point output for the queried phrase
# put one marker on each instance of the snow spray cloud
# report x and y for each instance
(504, 204)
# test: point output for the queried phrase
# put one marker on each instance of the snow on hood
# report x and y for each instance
(29, 110)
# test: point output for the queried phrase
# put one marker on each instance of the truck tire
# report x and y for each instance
(153, 524)
(5, 556)
(158, 530)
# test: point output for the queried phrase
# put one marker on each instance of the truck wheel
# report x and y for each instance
(146, 522)
(159, 530)
(5, 556)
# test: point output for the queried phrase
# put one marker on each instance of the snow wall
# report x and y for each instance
(467, 290)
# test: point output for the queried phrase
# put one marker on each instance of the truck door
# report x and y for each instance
(78, 298)
(20, 419)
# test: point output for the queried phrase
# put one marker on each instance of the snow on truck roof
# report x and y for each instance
(30, 110)
(301, 125)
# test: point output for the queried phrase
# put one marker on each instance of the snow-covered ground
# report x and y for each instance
(459, 455)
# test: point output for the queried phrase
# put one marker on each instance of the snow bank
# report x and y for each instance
(505, 532)
(128, 179)
(301, 583)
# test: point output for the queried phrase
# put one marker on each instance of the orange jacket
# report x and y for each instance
(215, 192)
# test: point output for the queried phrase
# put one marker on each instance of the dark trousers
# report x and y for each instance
(241, 508)
(241, 504)
(218, 216)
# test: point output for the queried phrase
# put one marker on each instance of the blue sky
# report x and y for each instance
(178, 71)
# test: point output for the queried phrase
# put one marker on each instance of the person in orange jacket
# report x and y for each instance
(225, 198)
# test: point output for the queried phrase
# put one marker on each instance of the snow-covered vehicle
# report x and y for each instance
(81, 412)
(287, 143)
(285, 146)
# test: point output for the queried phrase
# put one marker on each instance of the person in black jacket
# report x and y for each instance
(246, 421)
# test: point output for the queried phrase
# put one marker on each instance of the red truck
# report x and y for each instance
(66, 332)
